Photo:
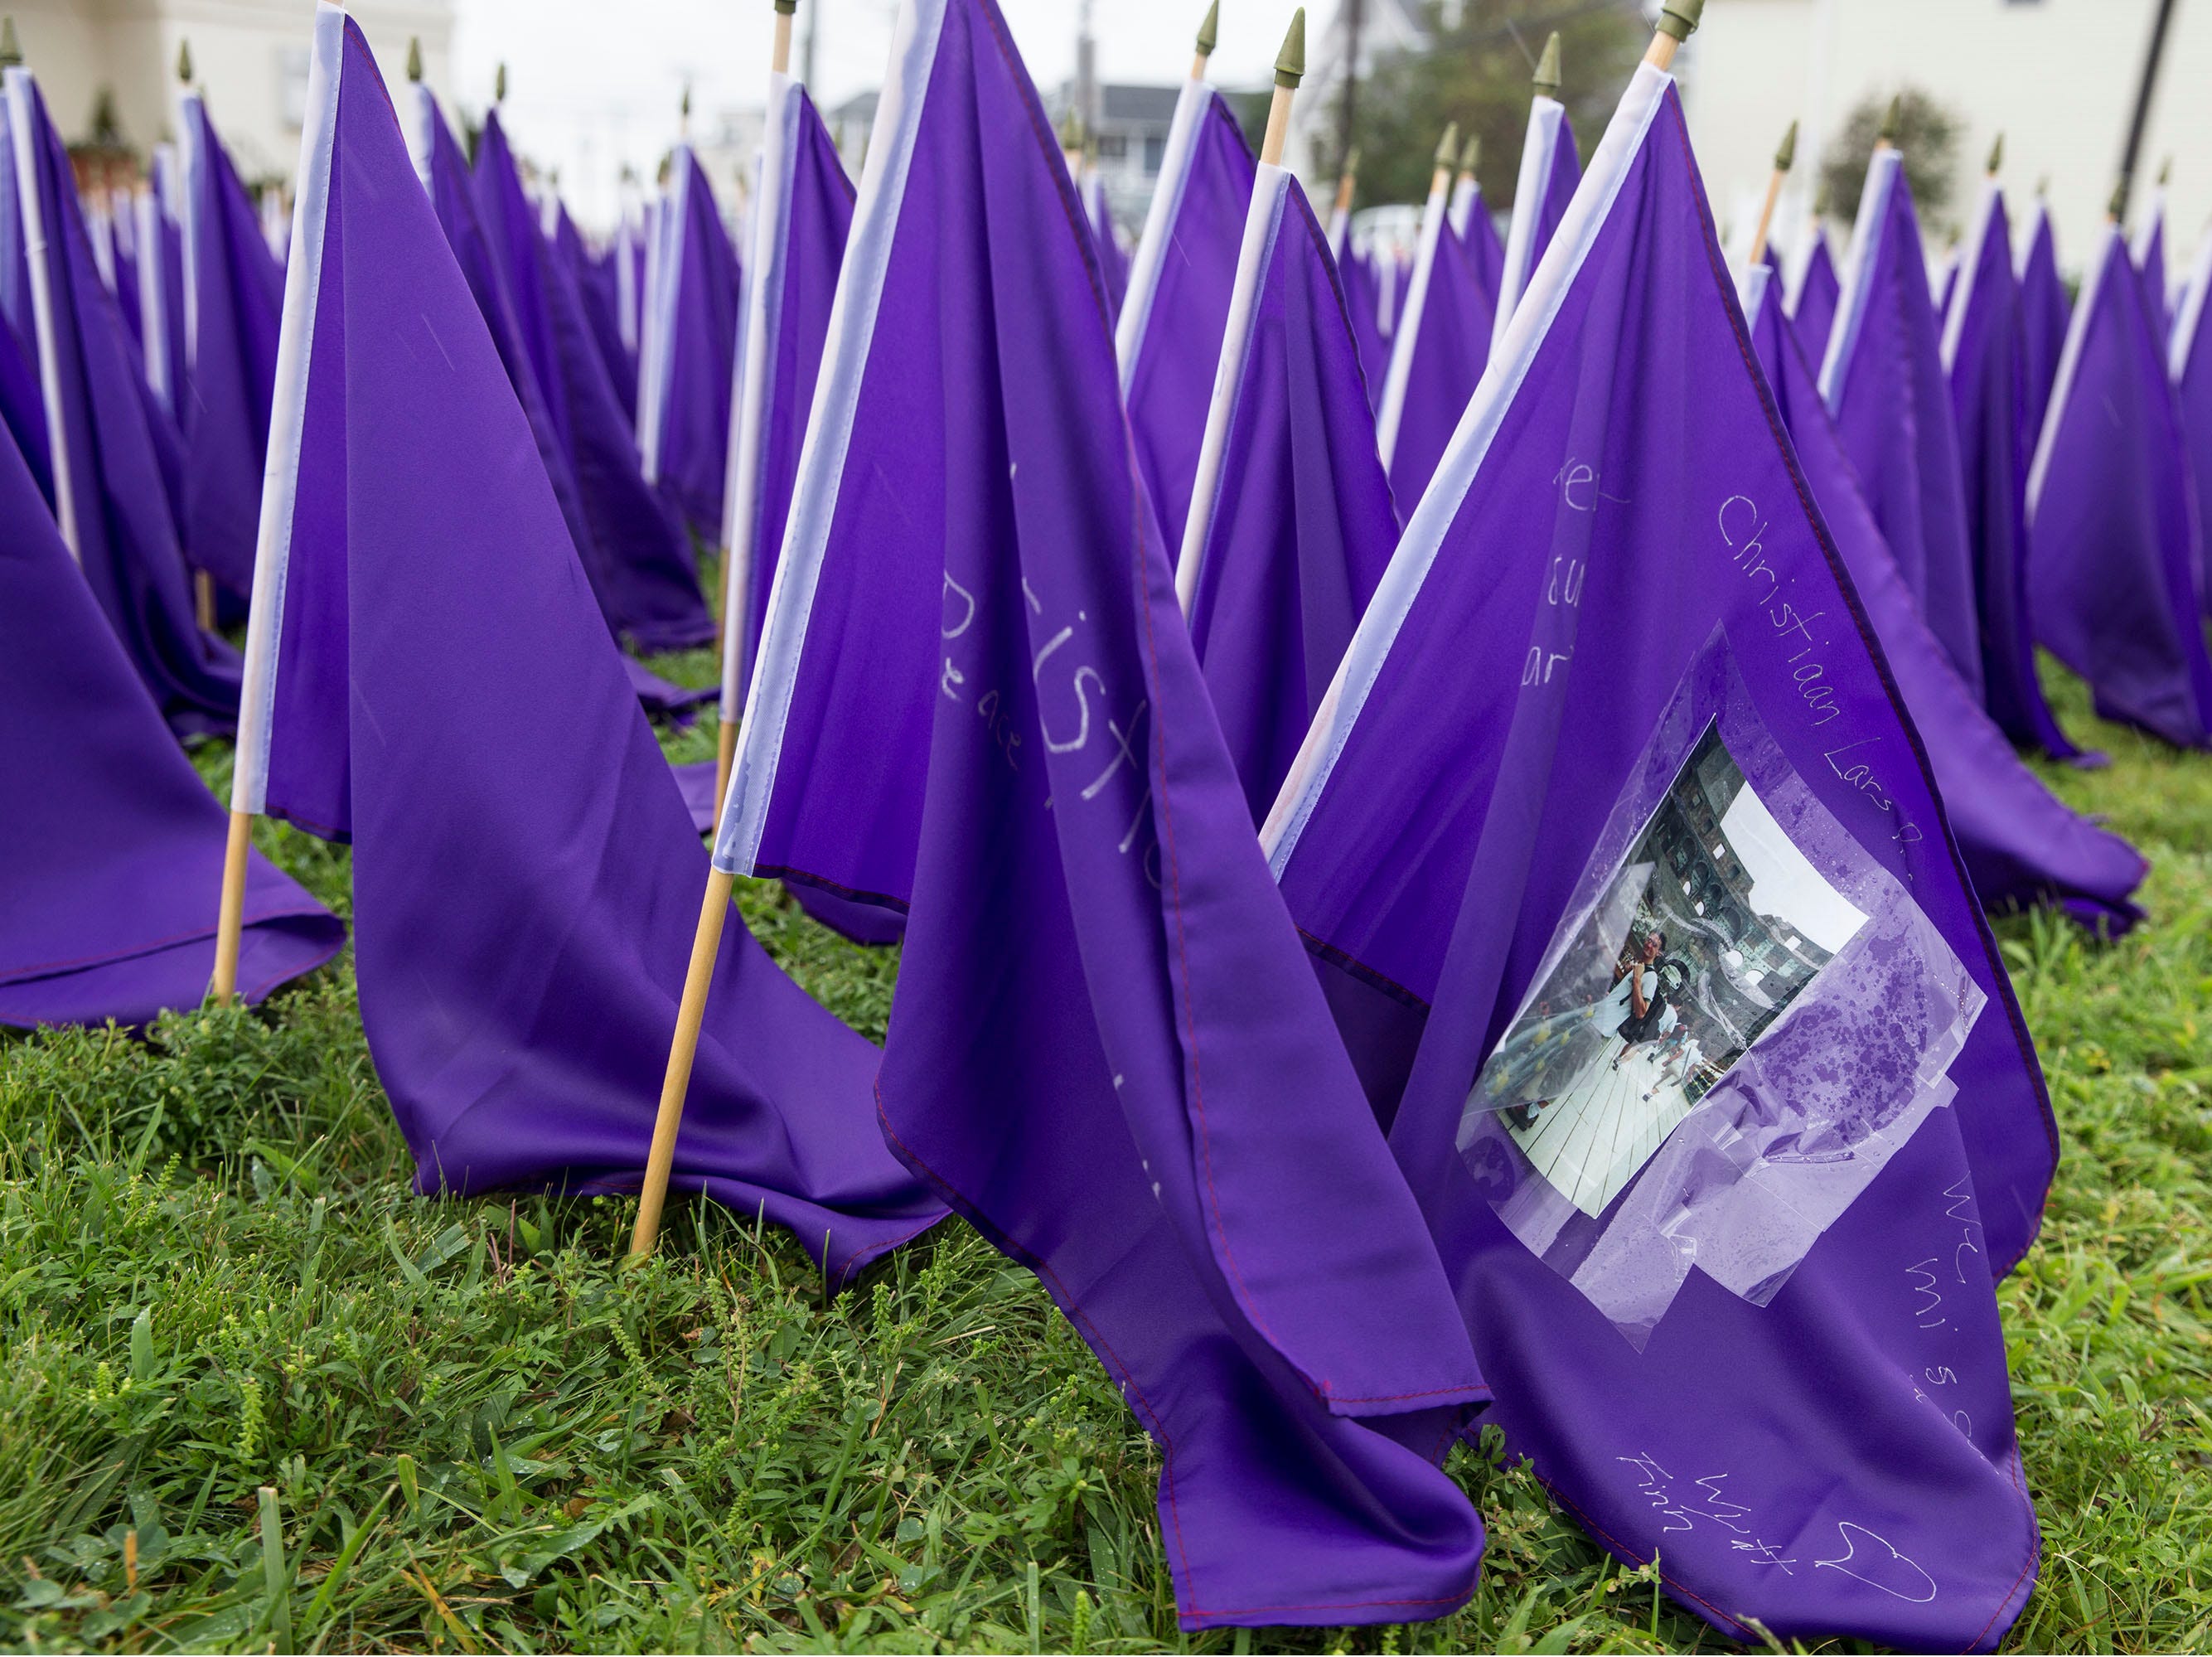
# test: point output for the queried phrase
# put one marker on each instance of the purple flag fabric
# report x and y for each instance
(1714, 1061)
(110, 497)
(1477, 232)
(523, 919)
(1982, 357)
(1882, 373)
(113, 845)
(2190, 366)
(1812, 305)
(113, 229)
(2023, 846)
(633, 546)
(232, 297)
(2115, 554)
(1105, 1049)
(1112, 263)
(595, 278)
(2044, 312)
(800, 220)
(1168, 329)
(23, 407)
(1292, 525)
(2149, 255)
(1551, 167)
(1437, 349)
(683, 396)
(1364, 287)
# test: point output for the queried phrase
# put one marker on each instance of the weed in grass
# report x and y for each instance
(260, 1393)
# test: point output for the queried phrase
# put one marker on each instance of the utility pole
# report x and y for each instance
(1086, 69)
(806, 44)
(1347, 115)
(2149, 84)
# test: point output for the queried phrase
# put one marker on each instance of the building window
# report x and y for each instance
(1112, 146)
(1156, 153)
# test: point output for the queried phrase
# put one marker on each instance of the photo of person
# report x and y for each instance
(1713, 924)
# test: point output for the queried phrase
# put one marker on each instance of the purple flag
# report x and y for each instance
(1551, 167)
(1715, 1067)
(233, 296)
(110, 496)
(1943, 283)
(632, 544)
(1813, 303)
(1105, 1049)
(162, 280)
(22, 408)
(2115, 554)
(596, 279)
(1112, 263)
(1168, 329)
(1471, 223)
(801, 220)
(1882, 373)
(2190, 365)
(108, 218)
(1364, 287)
(2021, 845)
(520, 952)
(1291, 526)
(1982, 358)
(2044, 314)
(683, 384)
(114, 845)
(2149, 255)
(1437, 349)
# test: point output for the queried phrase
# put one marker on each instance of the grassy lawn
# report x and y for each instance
(214, 1278)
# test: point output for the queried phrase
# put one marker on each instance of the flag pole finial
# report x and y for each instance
(414, 57)
(1893, 123)
(1785, 156)
(1291, 61)
(786, 7)
(11, 53)
(2118, 205)
(1678, 22)
(499, 85)
(1290, 69)
(1448, 148)
(1997, 156)
(2166, 173)
(1547, 78)
(184, 63)
(1470, 154)
(1820, 199)
(1209, 31)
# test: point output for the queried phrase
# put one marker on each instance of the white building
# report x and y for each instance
(250, 58)
(2058, 77)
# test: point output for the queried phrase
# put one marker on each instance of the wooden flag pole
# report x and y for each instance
(1290, 68)
(726, 740)
(1347, 182)
(231, 917)
(683, 1049)
(1678, 19)
(1785, 158)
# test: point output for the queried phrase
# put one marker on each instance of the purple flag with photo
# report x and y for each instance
(683, 389)
(233, 296)
(1814, 298)
(1106, 1048)
(2044, 312)
(1982, 359)
(113, 845)
(1437, 349)
(1168, 329)
(2114, 559)
(1551, 167)
(522, 951)
(1709, 1065)
(633, 546)
(2023, 846)
(1882, 373)
(2189, 361)
(1291, 526)
(110, 496)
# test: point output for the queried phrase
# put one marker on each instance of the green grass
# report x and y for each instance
(214, 1278)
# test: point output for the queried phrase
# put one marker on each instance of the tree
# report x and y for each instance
(1476, 71)
(1928, 136)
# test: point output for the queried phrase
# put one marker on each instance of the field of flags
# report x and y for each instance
(1438, 819)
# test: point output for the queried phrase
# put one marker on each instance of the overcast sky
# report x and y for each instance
(591, 85)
